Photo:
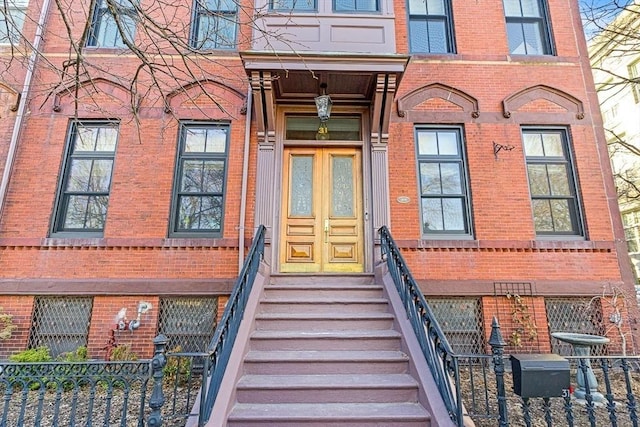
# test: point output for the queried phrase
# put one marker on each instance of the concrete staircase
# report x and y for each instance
(324, 351)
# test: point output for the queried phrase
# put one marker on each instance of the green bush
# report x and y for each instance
(32, 355)
(123, 353)
(80, 355)
(178, 369)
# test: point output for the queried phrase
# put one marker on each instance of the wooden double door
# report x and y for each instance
(321, 222)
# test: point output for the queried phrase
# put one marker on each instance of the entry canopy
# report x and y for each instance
(358, 80)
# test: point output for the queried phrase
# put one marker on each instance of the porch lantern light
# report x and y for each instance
(323, 104)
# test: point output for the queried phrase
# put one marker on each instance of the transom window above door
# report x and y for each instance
(307, 128)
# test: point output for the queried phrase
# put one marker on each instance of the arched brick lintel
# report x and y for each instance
(557, 96)
(437, 90)
(95, 85)
(191, 90)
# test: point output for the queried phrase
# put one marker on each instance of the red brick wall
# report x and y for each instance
(21, 308)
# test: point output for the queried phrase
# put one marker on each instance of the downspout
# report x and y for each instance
(245, 173)
(13, 145)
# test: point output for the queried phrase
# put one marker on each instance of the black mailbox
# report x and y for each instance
(540, 375)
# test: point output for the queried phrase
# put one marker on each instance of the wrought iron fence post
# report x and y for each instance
(497, 344)
(157, 365)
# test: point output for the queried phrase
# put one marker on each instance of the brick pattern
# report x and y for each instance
(21, 308)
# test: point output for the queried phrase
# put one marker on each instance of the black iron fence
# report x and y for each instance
(610, 391)
(166, 390)
(100, 393)
(434, 344)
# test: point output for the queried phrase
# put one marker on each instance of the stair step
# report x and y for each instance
(329, 414)
(319, 339)
(320, 362)
(323, 290)
(327, 388)
(328, 320)
(323, 305)
(323, 280)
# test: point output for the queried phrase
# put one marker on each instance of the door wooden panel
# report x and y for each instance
(322, 228)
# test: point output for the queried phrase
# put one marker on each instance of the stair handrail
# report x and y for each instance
(219, 349)
(434, 344)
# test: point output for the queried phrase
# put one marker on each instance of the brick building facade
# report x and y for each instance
(471, 129)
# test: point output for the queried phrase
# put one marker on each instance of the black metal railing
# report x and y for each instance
(434, 344)
(116, 393)
(489, 398)
(227, 329)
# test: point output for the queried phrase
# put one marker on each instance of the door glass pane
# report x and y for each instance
(301, 186)
(342, 187)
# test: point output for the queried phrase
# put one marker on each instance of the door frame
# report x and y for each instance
(365, 147)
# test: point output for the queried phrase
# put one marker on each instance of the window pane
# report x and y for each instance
(195, 140)
(106, 139)
(427, 143)
(86, 212)
(451, 178)
(213, 176)
(432, 215)
(216, 140)
(201, 176)
(530, 8)
(533, 144)
(448, 143)
(516, 38)
(552, 145)
(453, 215)
(417, 7)
(559, 180)
(356, 5)
(512, 8)
(430, 178)
(437, 36)
(538, 180)
(418, 34)
(533, 38)
(293, 4)
(435, 7)
(301, 186)
(542, 216)
(561, 216)
(200, 213)
(343, 194)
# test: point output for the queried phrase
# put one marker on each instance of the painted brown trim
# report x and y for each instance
(508, 245)
(117, 287)
(566, 288)
(116, 243)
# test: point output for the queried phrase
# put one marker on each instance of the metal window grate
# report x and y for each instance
(580, 315)
(189, 323)
(461, 322)
(60, 323)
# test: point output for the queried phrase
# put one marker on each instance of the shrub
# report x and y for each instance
(123, 353)
(6, 325)
(32, 355)
(178, 369)
(80, 355)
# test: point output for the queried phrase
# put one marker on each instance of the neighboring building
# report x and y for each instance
(615, 59)
(471, 129)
